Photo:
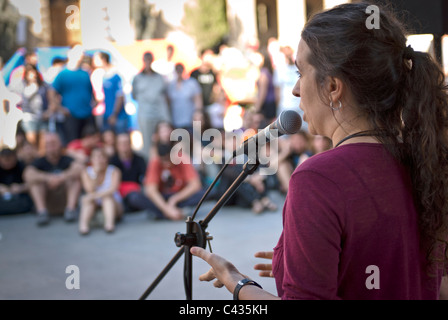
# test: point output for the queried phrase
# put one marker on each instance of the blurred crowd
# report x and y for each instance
(68, 161)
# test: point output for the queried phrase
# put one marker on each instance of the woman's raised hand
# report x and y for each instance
(265, 268)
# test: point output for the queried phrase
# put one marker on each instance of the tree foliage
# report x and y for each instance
(148, 22)
(206, 22)
(9, 17)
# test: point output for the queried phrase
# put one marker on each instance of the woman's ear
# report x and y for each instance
(335, 88)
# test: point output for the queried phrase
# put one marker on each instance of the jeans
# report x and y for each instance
(136, 201)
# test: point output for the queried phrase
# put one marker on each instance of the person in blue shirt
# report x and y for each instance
(73, 95)
(185, 96)
(108, 89)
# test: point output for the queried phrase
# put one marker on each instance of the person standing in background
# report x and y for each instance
(206, 78)
(149, 90)
(185, 97)
(57, 65)
(30, 58)
(108, 89)
(34, 93)
(57, 118)
(165, 67)
(285, 78)
(76, 95)
(266, 100)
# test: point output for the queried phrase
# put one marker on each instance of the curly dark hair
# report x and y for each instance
(403, 94)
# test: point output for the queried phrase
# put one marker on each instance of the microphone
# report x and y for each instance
(288, 122)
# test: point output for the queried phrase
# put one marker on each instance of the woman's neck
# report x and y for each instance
(358, 129)
(355, 136)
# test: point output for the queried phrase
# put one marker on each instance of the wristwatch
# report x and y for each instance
(241, 284)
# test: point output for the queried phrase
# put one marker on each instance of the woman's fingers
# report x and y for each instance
(222, 271)
(266, 274)
(208, 276)
(211, 259)
(218, 284)
(201, 253)
(215, 261)
(204, 255)
(264, 254)
(265, 268)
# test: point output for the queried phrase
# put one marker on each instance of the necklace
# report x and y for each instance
(359, 134)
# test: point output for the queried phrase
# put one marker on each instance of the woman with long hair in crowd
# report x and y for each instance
(267, 97)
(35, 101)
(101, 182)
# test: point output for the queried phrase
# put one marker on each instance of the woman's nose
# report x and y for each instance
(296, 89)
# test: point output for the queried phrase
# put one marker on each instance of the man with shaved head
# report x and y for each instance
(54, 182)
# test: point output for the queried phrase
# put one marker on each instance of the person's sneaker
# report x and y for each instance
(70, 215)
(43, 218)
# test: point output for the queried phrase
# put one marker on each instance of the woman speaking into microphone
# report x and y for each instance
(367, 219)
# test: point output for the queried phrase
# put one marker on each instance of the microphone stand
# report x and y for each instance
(196, 234)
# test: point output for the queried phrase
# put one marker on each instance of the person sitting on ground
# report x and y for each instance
(26, 153)
(253, 192)
(54, 182)
(133, 170)
(108, 140)
(170, 186)
(320, 144)
(14, 196)
(101, 182)
(294, 150)
(80, 149)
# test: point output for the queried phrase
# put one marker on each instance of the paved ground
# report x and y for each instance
(122, 265)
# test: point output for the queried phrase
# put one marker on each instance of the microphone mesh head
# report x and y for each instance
(290, 122)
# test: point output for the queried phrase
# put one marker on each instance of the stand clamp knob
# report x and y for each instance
(195, 235)
(180, 239)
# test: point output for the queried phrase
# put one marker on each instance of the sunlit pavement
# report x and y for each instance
(122, 265)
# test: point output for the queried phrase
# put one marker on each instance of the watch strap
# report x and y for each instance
(241, 284)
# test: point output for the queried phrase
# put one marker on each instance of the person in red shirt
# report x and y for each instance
(80, 149)
(170, 187)
(367, 219)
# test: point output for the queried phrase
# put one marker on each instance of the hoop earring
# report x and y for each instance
(338, 107)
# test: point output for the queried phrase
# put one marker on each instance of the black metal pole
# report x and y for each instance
(162, 274)
(188, 264)
(191, 239)
(248, 169)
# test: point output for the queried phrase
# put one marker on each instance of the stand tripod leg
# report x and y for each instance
(188, 265)
(196, 236)
(163, 273)
(188, 271)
